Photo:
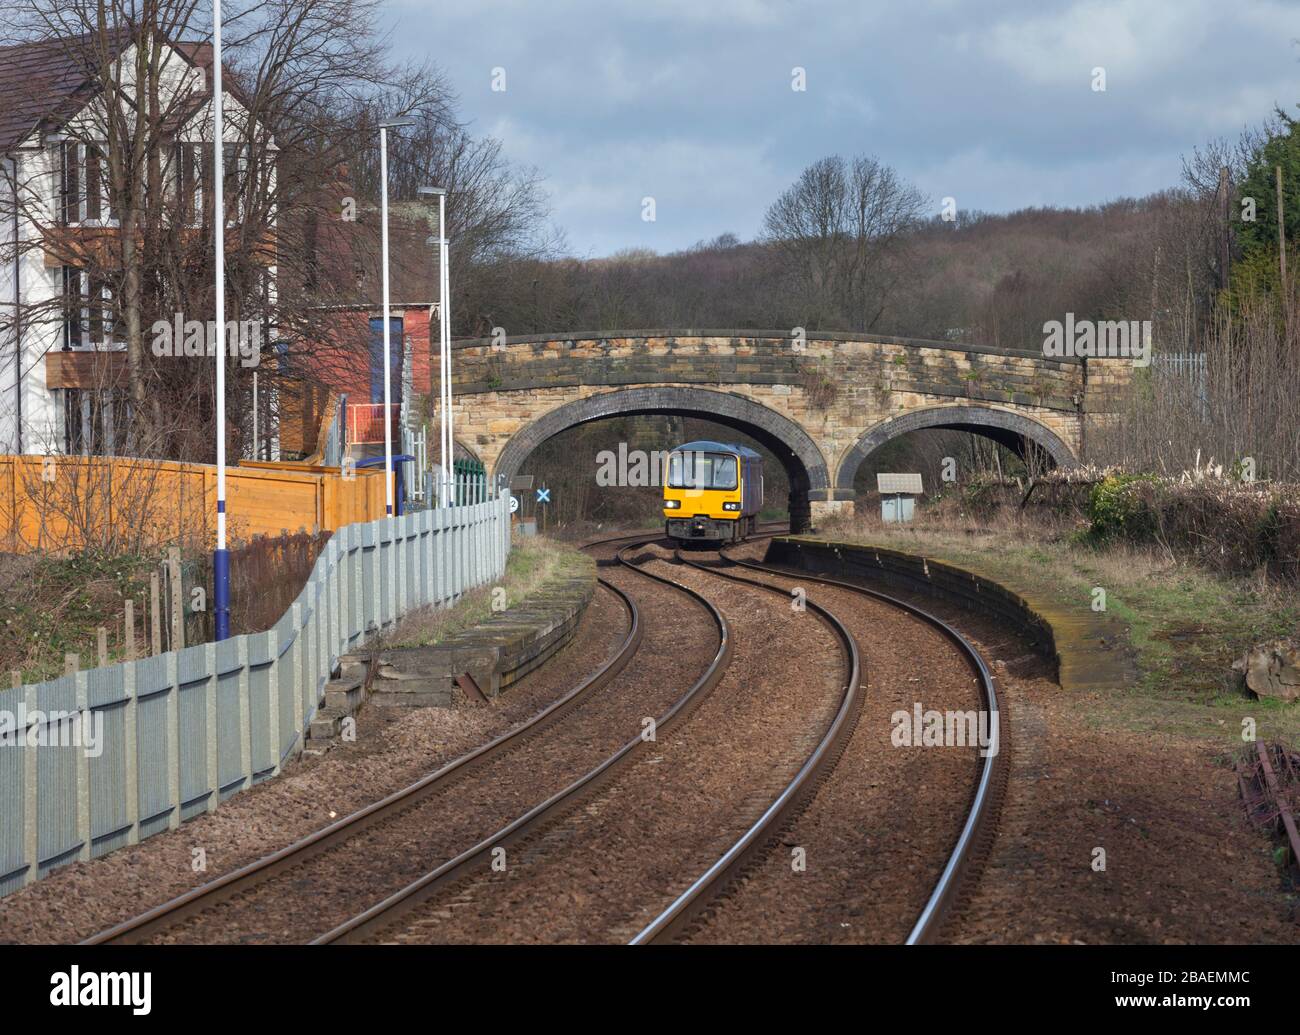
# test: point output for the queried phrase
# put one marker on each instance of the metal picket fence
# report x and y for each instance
(183, 731)
(1184, 373)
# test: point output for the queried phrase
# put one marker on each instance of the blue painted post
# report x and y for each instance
(221, 592)
(220, 558)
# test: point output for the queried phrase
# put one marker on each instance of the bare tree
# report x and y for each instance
(842, 228)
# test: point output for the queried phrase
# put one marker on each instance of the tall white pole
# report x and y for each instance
(444, 440)
(446, 350)
(388, 424)
(220, 558)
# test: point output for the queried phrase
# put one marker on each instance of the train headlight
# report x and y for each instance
(672, 504)
(731, 506)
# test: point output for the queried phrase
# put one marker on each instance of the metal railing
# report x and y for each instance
(1186, 373)
(104, 758)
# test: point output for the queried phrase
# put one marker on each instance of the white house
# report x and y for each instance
(62, 354)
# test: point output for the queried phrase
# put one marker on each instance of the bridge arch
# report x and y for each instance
(795, 449)
(1006, 427)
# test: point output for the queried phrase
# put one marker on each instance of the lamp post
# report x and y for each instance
(384, 127)
(220, 556)
(444, 342)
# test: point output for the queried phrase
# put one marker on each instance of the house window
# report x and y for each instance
(94, 421)
(191, 173)
(91, 320)
(234, 178)
(85, 193)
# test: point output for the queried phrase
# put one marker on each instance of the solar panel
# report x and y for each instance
(909, 484)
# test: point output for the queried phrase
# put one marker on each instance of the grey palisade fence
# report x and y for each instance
(183, 731)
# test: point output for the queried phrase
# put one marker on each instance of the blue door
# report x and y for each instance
(377, 358)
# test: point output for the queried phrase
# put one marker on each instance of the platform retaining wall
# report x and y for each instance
(1090, 651)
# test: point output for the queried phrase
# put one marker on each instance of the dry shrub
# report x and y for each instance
(266, 576)
(1227, 526)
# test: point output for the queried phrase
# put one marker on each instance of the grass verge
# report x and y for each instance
(533, 562)
(1186, 625)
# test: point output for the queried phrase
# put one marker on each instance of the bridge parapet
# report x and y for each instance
(842, 394)
(854, 364)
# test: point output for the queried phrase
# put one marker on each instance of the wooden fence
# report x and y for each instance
(120, 504)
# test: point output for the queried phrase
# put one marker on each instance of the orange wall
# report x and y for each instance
(67, 503)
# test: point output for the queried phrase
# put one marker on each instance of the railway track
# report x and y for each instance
(240, 882)
(695, 899)
(974, 840)
(380, 918)
(692, 903)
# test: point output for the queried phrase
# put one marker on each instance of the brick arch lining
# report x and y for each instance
(1010, 429)
(798, 453)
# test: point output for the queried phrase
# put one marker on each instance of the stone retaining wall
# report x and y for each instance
(1091, 650)
(495, 654)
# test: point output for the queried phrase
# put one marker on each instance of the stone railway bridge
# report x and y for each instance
(822, 406)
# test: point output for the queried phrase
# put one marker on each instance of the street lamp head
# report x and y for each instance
(432, 190)
(397, 123)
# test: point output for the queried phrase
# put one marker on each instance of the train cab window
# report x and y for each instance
(694, 470)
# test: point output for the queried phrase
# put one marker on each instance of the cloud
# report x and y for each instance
(991, 103)
(1136, 39)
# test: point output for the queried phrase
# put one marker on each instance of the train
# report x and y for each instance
(713, 492)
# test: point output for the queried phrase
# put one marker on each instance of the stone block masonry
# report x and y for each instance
(822, 404)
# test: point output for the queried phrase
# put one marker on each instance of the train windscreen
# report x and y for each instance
(696, 470)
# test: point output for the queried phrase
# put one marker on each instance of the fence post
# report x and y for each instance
(484, 541)
(503, 532)
(131, 752)
(424, 556)
(155, 616)
(83, 766)
(476, 531)
(176, 591)
(173, 739)
(31, 778)
(273, 700)
(397, 580)
(298, 658)
(343, 564)
(466, 571)
(439, 558)
(324, 628)
(210, 704)
(128, 628)
(335, 586)
(391, 567)
(453, 546)
(245, 715)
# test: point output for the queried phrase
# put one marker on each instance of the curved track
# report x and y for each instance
(372, 923)
(239, 881)
(977, 830)
(691, 902)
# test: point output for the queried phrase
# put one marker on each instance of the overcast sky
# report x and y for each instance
(990, 102)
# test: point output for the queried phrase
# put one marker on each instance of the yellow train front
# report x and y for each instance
(712, 493)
